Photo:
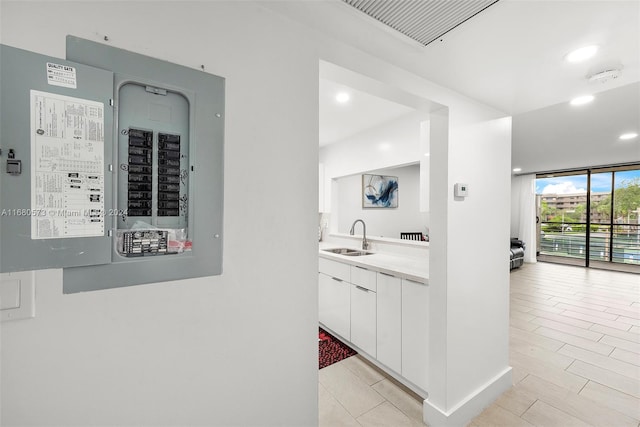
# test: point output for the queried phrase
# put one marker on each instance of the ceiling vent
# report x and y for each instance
(605, 75)
(422, 20)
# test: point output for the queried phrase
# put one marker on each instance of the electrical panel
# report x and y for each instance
(153, 169)
(56, 128)
(98, 158)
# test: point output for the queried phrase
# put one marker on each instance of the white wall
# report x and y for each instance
(387, 145)
(236, 349)
(239, 349)
(479, 156)
(381, 222)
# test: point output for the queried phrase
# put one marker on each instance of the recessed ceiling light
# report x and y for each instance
(629, 135)
(342, 97)
(384, 146)
(426, 154)
(517, 169)
(581, 54)
(581, 100)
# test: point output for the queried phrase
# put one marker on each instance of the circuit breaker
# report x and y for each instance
(153, 171)
(99, 169)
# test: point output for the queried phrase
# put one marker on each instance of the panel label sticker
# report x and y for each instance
(67, 167)
(61, 75)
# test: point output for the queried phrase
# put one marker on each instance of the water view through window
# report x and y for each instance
(590, 217)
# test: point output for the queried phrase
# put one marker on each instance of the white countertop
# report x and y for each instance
(404, 266)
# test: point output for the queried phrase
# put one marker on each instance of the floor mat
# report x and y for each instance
(331, 349)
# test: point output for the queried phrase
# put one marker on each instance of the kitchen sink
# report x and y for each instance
(348, 251)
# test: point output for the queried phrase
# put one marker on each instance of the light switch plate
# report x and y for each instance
(17, 295)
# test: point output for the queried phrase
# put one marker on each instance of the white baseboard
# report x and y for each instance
(461, 414)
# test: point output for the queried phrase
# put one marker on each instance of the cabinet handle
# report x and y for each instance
(416, 282)
(336, 279)
(386, 274)
(362, 289)
(361, 268)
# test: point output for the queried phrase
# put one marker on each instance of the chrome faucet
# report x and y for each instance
(365, 244)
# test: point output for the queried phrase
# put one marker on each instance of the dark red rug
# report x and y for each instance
(331, 349)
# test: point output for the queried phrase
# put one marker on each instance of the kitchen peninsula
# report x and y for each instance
(377, 302)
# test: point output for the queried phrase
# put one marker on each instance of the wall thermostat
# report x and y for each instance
(460, 190)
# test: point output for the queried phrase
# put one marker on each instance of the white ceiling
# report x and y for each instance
(363, 111)
(509, 57)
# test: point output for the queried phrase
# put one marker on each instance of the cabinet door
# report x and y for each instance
(334, 302)
(363, 319)
(415, 332)
(389, 321)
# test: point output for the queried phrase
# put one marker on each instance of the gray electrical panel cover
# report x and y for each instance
(167, 171)
(55, 141)
(111, 167)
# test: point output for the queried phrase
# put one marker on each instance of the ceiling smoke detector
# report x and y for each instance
(605, 76)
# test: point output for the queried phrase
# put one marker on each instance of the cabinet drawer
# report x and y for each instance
(334, 269)
(362, 277)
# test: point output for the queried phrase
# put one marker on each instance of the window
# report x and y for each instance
(590, 217)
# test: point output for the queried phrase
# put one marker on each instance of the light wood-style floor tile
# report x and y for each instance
(355, 395)
(629, 312)
(600, 314)
(606, 377)
(516, 400)
(560, 317)
(496, 416)
(535, 339)
(385, 415)
(569, 329)
(615, 332)
(523, 324)
(576, 405)
(626, 356)
(363, 370)
(551, 357)
(597, 347)
(605, 362)
(621, 402)
(628, 321)
(543, 414)
(598, 320)
(621, 343)
(400, 399)
(331, 412)
(547, 371)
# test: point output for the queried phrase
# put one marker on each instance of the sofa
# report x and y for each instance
(517, 253)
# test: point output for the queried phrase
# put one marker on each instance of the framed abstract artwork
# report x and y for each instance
(379, 191)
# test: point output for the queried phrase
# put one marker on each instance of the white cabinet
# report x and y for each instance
(362, 277)
(415, 332)
(334, 269)
(334, 304)
(384, 316)
(363, 319)
(389, 321)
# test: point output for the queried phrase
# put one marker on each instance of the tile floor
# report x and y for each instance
(354, 393)
(574, 349)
